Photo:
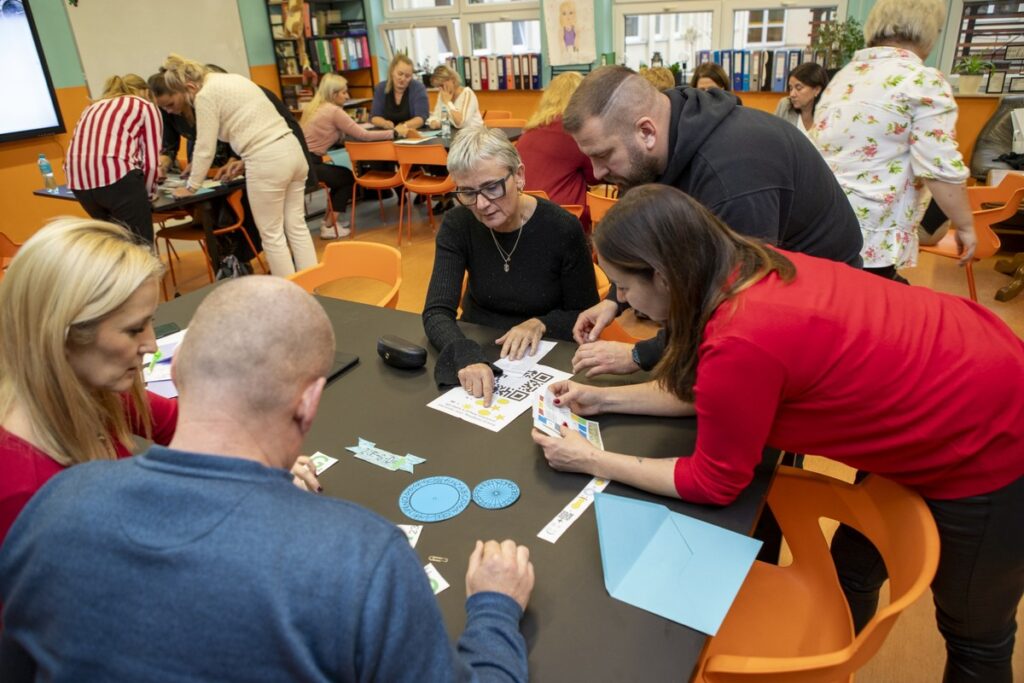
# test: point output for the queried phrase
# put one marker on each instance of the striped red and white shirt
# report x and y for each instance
(114, 137)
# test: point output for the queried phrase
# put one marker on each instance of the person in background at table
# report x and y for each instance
(710, 75)
(778, 190)
(917, 386)
(553, 161)
(233, 107)
(113, 162)
(76, 307)
(528, 264)
(325, 123)
(886, 125)
(219, 569)
(660, 77)
(453, 97)
(806, 84)
(400, 102)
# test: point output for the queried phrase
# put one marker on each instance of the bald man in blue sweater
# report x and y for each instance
(178, 565)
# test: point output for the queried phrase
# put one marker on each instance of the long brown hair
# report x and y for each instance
(659, 229)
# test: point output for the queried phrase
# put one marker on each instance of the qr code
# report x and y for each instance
(535, 379)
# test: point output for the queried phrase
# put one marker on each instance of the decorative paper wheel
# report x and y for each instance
(495, 494)
(434, 499)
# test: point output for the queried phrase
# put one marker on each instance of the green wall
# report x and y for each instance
(54, 27)
(259, 46)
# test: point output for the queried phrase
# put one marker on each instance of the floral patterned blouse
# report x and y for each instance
(884, 123)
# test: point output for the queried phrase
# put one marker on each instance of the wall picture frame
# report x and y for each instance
(996, 82)
(1017, 84)
(1014, 52)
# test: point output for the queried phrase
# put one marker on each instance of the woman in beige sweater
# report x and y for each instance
(234, 109)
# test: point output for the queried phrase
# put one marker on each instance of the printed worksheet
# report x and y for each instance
(513, 395)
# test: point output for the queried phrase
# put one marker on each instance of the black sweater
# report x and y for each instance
(550, 277)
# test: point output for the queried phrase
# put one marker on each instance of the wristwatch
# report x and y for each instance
(636, 356)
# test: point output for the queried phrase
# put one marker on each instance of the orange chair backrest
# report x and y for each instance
(979, 195)
(492, 114)
(599, 205)
(355, 259)
(574, 209)
(419, 155)
(898, 523)
(537, 193)
(8, 247)
(984, 219)
(370, 151)
(505, 123)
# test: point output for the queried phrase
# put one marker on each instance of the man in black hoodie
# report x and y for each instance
(760, 175)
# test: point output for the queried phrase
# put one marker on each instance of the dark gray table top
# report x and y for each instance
(163, 202)
(574, 629)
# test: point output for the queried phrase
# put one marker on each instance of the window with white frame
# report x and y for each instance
(644, 35)
(761, 28)
(503, 37)
(424, 44)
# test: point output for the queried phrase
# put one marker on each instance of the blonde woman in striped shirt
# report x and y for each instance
(113, 161)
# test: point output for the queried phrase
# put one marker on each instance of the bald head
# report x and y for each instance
(617, 95)
(254, 343)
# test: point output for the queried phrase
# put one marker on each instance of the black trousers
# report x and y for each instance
(977, 587)
(889, 273)
(125, 202)
(338, 178)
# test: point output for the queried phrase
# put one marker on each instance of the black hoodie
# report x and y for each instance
(760, 175)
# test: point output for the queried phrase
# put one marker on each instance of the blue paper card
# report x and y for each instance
(434, 499)
(495, 494)
(675, 566)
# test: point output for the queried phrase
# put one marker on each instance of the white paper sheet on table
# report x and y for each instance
(519, 367)
(513, 395)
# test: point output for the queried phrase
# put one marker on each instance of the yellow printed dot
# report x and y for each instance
(485, 413)
(503, 401)
(499, 416)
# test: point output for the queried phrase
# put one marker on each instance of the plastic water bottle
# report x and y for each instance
(446, 123)
(49, 182)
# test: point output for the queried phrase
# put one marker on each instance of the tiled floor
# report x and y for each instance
(914, 650)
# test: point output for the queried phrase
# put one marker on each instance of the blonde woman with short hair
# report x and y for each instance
(234, 109)
(400, 102)
(325, 124)
(76, 309)
(554, 163)
(113, 162)
(452, 96)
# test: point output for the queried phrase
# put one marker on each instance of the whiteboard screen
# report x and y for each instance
(118, 37)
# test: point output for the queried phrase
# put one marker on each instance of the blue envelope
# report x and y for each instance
(678, 567)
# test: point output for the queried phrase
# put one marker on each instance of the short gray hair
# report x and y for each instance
(917, 22)
(478, 143)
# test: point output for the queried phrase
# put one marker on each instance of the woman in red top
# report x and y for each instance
(113, 160)
(811, 356)
(553, 161)
(76, 309)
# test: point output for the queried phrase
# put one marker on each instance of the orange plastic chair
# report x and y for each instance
(537, 193)
(416, 181)
(374, 180)
(494, 114)
(614, 331)
(574, 209)
(355, 259)
(792, 624)
(599, 205)
(192, 233)
(1009, 193)
(508, 122)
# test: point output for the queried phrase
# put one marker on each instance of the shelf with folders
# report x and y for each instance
(499, 72)
(762, 70)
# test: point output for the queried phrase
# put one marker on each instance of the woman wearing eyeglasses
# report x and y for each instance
(529, 267)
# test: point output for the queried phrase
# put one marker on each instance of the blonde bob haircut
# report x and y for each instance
(555, 99)
(480, 143)
(917, 22)
(400, 58)
(179, 71)
(330, 86)
(129, 84)
(63, 282)
(442, 74)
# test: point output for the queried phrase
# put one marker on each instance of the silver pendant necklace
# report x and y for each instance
(506, 256)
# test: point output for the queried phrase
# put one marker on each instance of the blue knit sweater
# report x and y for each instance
(176, 566)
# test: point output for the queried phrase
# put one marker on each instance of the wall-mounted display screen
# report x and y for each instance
(29, 103)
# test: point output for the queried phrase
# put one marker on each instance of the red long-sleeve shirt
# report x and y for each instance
(114, 136)
(24, 468)
(921, 387)
(555, 164)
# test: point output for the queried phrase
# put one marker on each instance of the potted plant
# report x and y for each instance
(971, 69)
(838, 40)
(677, 72)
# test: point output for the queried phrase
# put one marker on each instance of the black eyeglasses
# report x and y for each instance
(493, 190)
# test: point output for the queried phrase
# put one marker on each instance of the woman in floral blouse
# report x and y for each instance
(885, 125)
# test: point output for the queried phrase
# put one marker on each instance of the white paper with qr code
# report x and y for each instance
(571, 512)
(512, 397)
(548, 418)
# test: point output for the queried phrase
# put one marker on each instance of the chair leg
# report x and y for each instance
(209, 262)
(171, 250)
(380, 203)
(252, 246)
(970, 281)
(401, 214)
(352, 220)
(170, 264)
(430, 210)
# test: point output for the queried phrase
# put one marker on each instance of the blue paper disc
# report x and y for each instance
(495, 494)
(434, 499)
